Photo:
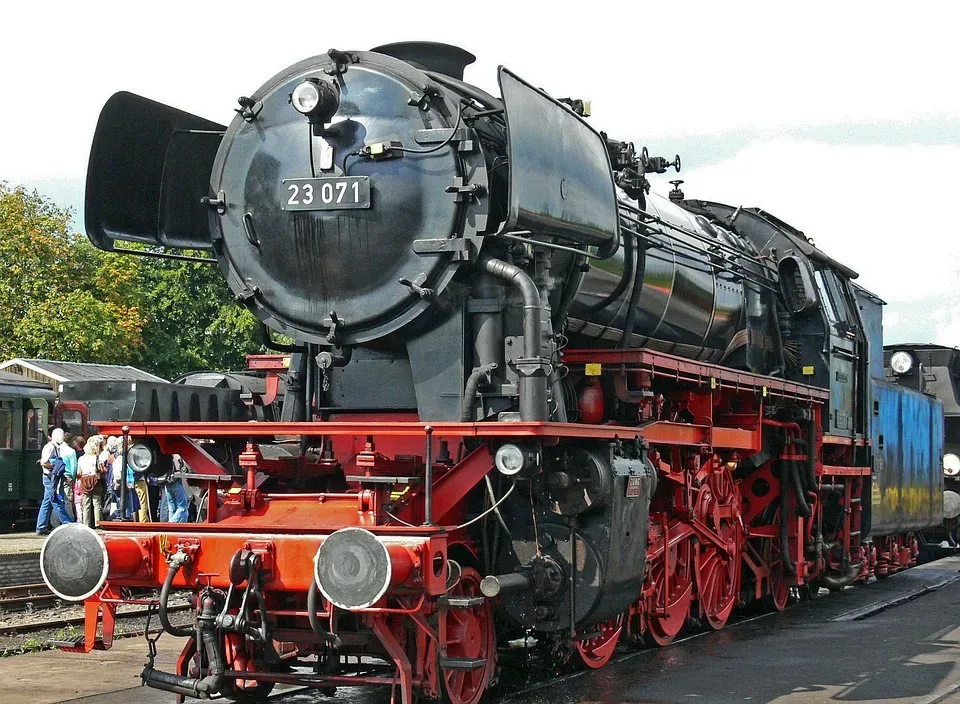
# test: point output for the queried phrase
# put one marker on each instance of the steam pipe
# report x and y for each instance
(312, 607)
(176, 563)
(803, 508)
(631, 321)
(210, 641)
(838, 582)
(533, 378)
(788, 566)
(470, 390)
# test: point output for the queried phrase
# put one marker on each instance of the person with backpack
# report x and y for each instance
(119, 471)
(68, 454)
(78, 445)
(90, 485)
(53, 468)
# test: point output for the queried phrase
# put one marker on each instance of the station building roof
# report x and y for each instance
(52, 373)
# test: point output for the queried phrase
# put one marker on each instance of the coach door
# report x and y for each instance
(11, 450)
(34, 437)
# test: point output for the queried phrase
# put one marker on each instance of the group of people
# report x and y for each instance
(83, 481)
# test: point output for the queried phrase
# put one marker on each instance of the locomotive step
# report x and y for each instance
(462, 663)
(76, 644)
(461, 602)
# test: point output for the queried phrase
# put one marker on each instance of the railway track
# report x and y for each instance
(26, 597)
(59, 623)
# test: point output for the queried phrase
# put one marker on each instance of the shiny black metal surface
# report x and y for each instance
(687, 305)
(148, 170)
(560, 177)
(304, 266)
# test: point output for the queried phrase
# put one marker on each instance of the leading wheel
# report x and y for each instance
(596, 651)
(471, 658)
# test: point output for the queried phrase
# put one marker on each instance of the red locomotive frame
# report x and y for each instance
(715, 539)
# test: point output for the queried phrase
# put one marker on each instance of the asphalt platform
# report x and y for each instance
(893, 641)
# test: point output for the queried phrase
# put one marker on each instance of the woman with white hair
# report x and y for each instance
(116, 463)
(90, 483)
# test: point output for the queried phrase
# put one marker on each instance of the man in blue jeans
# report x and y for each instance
(174, 506)
(50, 453)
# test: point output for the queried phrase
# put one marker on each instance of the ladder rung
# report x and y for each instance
(461, 602)
(462, 663)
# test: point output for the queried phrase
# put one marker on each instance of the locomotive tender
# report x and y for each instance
(526, 395)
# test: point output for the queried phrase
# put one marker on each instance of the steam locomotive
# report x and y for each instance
(526, 397)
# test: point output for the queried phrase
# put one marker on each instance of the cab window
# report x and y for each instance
(72, 422)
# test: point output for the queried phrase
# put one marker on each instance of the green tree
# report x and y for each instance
(60, 297)
(193, 322)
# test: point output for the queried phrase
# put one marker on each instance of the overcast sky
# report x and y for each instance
(842, 119)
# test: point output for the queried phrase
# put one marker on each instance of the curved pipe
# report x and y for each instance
(533, 382)
(631, 322)
(210, 641)
(624, 281)
(312, 608)
(470, 389)
(838, 582)
(176, 563)
(799, 491)
(788, 566)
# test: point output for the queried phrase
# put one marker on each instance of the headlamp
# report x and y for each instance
(319, 100)
(510, 459)
(901, 362)
(306, 97)
(951, 465)
(140, 457)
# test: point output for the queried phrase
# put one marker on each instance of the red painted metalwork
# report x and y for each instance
(715, 533)
(676, 368)
(467, 633)
(596, 651)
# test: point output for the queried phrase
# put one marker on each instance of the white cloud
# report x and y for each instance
(878, 209)
(652, 71)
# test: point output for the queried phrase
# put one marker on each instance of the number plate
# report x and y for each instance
(332, 193)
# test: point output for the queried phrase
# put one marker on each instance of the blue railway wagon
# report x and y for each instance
(907, 432)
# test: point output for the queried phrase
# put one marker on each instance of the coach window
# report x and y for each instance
(6, 427)
(33, 430)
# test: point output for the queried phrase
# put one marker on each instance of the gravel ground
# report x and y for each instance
(30, 639)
